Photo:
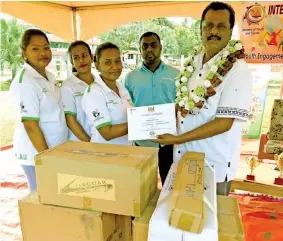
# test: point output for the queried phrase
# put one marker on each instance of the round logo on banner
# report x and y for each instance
(255, 13)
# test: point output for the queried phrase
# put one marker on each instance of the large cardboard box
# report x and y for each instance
(101, 177)
(187, 209)
(140, 225)
(41, 222)
(229, 213)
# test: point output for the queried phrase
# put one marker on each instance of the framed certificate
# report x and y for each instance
(147, 122)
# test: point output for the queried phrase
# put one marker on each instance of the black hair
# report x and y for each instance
(102, 47)
(28, 34)
(77, 43)
(147, 34)
(215, 6)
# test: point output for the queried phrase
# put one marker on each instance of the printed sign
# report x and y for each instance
(262, 32)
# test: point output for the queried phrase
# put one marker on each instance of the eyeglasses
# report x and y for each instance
(220, 27)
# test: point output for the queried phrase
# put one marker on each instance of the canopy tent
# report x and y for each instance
(72, 20)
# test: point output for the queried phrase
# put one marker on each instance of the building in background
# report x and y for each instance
(130, 58)
(60, 64)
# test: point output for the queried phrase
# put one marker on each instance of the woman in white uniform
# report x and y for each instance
(36, 94)
(73, 89)
(105, 102)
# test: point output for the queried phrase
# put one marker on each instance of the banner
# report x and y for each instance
(262, 32)
(261, 75)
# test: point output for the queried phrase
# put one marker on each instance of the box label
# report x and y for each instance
(90, 187)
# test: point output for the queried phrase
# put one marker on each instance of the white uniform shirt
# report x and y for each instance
(104, 107)
(72, 92)
(232, 100)
(37, 99)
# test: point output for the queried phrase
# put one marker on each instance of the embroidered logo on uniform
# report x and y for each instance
(44, 90)
(96, 113)
(22, 107)
(151, 109)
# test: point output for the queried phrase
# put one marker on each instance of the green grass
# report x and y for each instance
(5, 85)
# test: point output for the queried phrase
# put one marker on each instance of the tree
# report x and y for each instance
(125, 36)
(11, 33)
(177, 39)
(188, 37)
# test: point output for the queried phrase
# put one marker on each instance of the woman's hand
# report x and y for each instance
(167, 139)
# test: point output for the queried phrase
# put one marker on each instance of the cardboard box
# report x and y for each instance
(101, 177)
(140, 225)
(52, 223)
(159, 228)
(227, 205)
(229, 213)
(187, 209)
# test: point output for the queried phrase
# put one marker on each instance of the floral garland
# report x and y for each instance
(192, 102)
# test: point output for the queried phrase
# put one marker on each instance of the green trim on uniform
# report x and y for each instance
(21, 76)
(79, 94)
(104, 124)
(89, 87)
(70, 113)
(30, 118)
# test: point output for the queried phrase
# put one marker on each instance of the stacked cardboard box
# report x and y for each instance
(141, 224)
(41, 222)
(229, 213)
(88, 191)
(230, 226)
(153, 225)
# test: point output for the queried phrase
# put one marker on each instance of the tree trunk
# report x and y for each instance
(2, 69)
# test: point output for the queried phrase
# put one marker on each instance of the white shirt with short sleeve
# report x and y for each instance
(37, 99)
(103, 107)
(72, 92)
(232, 100)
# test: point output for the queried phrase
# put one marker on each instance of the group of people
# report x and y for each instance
(93, 108)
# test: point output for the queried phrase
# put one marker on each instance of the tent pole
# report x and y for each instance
(75, 33)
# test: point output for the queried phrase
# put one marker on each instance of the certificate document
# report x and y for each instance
(147, 122)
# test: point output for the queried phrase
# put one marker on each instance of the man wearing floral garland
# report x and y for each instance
(214, 92)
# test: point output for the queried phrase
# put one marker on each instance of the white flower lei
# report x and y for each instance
(187, 100)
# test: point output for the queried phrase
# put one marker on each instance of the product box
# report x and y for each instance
(229, 213)
(140, 225)
(101, 177)
(41, 222)
(159, 228)
(187, 209)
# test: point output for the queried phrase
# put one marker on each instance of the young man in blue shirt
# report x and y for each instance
(153, 83)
